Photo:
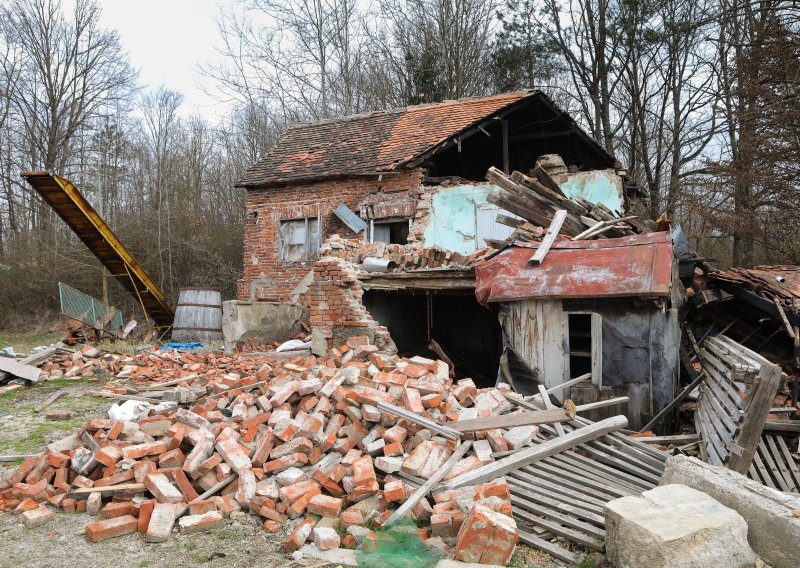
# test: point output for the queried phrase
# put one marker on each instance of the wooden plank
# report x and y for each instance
(116, 396)
(50, 400)
(676, 439)
(597, 349)
(519, 419)
(19, 370)
(417, 496)
(405, 414)
(784, 319)
(667, 409)
(557, 529)
(612, 478)
(793, 471)
(775, 459)
(210, 493)
(84, 492)
(548, 194)
(601, 404)
(786, 426)
(529, 455)
(549, 237)
(763, 472)
(760, 398)
(549, 405)
(528, 481)
(543, 473)
(16, 457)
(560, 505)
(561, 517)
(548, 547)
(158, 386)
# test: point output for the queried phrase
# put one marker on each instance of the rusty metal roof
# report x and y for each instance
(638, 265)
(781, 281)
(370, 143)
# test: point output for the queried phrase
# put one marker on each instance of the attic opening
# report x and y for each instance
(467, 333)
(514, 141)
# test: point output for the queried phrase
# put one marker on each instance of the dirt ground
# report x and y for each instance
(60, 542)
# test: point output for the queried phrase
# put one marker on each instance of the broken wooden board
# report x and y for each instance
(519, 419)
(730, 424)
(19, 370)
(549, 237)
(527, 456)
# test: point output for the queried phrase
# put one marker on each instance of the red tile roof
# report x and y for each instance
(371, 143)
(638, 265)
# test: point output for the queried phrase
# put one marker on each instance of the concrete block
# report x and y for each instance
(675, 526)
(773, 531)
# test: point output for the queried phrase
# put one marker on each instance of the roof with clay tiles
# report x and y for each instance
(371, 143)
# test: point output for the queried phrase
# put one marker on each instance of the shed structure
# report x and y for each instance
(599, 306)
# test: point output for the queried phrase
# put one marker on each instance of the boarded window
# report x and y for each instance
(299, 239)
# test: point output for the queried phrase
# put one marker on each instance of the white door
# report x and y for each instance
(487, 227)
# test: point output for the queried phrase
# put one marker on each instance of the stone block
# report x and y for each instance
(773, 532)
(675, 526)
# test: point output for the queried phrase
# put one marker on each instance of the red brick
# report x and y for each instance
(116, 510)
(37, 517)
(111, 528)
(299, 535)
(325, 506)
(486, 537)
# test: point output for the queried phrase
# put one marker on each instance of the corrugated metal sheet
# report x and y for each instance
(81, 307)
(780, 280)
(638, 265)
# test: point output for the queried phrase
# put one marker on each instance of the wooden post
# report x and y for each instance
(760, 397)
(506, 160)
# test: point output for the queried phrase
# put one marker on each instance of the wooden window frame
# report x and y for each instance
(307, 254)
(596, 328)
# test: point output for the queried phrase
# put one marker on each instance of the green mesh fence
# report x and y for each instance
(398, 547)
(79, 306)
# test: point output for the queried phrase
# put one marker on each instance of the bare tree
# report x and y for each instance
(299, 56)
(438, 49)
(161, 129)
(72, 69)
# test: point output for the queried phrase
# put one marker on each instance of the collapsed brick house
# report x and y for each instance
(406, 186)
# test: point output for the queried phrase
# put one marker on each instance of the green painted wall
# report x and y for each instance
(599, 186)
(453, 222)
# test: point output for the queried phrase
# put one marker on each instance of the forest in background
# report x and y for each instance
(699, 99)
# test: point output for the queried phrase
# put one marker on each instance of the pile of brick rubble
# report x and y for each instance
(295, 439)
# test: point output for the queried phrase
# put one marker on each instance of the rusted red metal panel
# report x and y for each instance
(639, 265)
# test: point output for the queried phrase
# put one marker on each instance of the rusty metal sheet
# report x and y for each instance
(638, 265)
(68, 202)
(780, 280)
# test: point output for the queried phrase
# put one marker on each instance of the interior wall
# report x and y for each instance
(468, 333)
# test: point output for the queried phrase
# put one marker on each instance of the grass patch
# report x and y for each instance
(23, 343)
(227, 534)
(587, 561)
(37, 435)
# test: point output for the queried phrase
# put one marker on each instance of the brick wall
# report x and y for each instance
(335, 305)
(267, 277)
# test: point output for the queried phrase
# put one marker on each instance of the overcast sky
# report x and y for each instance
(167, 41)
